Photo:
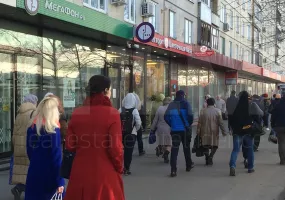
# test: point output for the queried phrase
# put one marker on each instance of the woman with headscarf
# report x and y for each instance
(94, 133)
(158, 102)
(162, 130)
(245, 113)
(131, 123)
(20, 158)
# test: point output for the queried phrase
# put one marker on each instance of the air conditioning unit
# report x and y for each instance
(147, 9)
(264, 60)
(263, 29)
(226, 27)
(118, 2)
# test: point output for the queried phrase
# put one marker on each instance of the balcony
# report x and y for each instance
(215, 20)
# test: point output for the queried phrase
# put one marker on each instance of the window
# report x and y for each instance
(249, 6)
(99, 5)
(205, 34)
(242, 54)
(223, 44)
(215, 38)
(231, 49)
(231, 19)
(154, 19)
(248, 31)
(171, 24)
(243, 4)
(242, 29)
(130, 9)
(237, 52)
(188, 31)
(223, 15)
(208, 2)
(237, 25)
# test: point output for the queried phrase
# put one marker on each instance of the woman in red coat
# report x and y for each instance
(94, 132)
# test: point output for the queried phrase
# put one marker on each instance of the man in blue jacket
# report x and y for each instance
(180, 118)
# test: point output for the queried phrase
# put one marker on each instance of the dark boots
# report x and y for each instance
(166, 156)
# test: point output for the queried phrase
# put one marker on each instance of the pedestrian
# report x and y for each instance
(273, 136)
(158, 102)
(140, 131)
(44, 152)
(258, 100)
(62, 117)
(221, 105)
(162, 130)
(266, 104)
(278, 119)
(20, 158)
(205, 101)
(179, 117)
(242, 122)
(231, 104)
(210, 120)
(94, 133)
(131, 123)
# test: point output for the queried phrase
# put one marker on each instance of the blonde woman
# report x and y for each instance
(44, 152)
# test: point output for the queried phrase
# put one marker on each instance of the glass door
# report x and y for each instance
(6, 103)
(120, 82)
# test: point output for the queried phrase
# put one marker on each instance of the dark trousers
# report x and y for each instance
(129, 141)
(281, 143)
(230, 121)
(140, 141)
(266, 120)
(177, 138)
(256, 142)
(213, 151)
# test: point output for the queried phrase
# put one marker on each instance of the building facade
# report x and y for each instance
(57, 45)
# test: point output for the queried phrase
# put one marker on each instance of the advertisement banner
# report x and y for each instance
(68, 93)
(231, 77)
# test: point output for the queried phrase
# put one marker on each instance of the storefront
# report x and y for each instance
(48, 51)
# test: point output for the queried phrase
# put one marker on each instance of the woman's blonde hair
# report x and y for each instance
(47, 115)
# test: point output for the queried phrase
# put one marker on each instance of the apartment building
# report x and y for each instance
(57, 45)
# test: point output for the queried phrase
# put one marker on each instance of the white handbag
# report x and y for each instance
(57, 196)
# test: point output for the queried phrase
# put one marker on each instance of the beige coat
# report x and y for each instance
(21, 160)
(210, 121)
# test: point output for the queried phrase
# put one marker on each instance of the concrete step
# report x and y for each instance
(4, 164)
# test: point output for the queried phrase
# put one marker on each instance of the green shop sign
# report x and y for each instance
(70, 12)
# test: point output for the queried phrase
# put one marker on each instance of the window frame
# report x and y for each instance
(248, 31)
(129, 11)
(231, 49)
(237, 52)
(237, 24)
(232, 19)
(215, 38)
(170, 24)
(155, 17)
(223, 14)
(223, 45)
(88, 5)
(189, 31)
(243, 29)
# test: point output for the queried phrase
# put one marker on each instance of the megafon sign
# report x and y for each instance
(169, 44)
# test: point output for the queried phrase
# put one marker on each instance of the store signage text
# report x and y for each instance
(231, 77)
(171, 44)
(63, 9)
(265, 72)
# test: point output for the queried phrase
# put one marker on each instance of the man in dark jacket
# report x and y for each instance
(232, 102)
(179, 117)
(278, 118)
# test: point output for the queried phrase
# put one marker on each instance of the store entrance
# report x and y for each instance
(120, 82)
(19, 76)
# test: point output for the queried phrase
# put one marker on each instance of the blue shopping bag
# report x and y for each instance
(11, 169)
(152, 137)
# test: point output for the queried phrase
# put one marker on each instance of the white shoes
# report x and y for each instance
(267, 129)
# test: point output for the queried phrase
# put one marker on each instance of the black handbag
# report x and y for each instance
(197, 147)
(67, 162)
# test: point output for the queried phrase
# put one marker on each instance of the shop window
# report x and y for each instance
(188, 31)
(99, 5)
(157, 83)
(172, 24)
(130, 11)
(203, 86)
(154, 19)
(215, 38)
(138, 76)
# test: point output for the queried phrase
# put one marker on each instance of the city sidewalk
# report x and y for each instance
(150, 180)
